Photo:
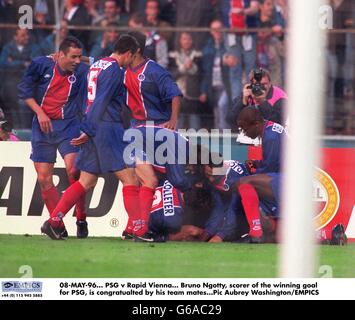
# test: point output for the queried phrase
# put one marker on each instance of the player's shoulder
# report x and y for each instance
(41, 65)
(105, 64)
(155, 67)
(82, 68)
(43, 61)
(108, 67)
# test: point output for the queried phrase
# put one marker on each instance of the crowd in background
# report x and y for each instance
(210, 68)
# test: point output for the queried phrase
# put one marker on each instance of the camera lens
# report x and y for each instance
(257, 90)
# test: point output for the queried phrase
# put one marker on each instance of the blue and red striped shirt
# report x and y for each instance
(150, 91)
(60, 94)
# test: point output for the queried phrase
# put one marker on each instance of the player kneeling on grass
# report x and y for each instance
(238, 203)
(101, 140)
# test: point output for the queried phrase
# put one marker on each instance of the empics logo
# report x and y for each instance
(21, 286)
(326, 195)
(7, 285)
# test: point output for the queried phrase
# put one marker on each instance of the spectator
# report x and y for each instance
(197, 13)
(8, 14)
(282, 8)
(93, 9)
(185, 66)
(152, 10)
(270, 46)
(15, 57)
(40, 20)
(269, 99)
(241, 14)
(47, 46)
(112, 14)
(215, 86)
(105, 44)
(156, 47)
(336, 53)
(76, 15)
(168, 11)
(136, 6)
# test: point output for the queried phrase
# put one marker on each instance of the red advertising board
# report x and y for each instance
(334, 189)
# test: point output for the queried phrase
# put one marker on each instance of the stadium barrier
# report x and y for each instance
(22, 210)
(21, 207)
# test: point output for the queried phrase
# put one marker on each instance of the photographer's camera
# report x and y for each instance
(257, 88)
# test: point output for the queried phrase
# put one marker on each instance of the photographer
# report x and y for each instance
(261, 93)
(6, 133)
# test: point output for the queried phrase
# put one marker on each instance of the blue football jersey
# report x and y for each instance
(150, 91)
(105, 95)
(59, 94)
(235, 170)
(272, 140)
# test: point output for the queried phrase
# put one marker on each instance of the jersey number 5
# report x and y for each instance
(92, 84)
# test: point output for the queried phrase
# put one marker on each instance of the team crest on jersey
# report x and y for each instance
(326, 196)
(72, 79)
(141, 77)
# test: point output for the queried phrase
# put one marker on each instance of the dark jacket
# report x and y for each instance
(208, 55)
(80, 18)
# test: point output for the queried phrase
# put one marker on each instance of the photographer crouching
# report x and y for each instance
(260, 92)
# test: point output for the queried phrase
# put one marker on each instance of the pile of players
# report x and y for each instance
(78, 111)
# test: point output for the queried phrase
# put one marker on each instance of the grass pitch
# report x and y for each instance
(114, 258)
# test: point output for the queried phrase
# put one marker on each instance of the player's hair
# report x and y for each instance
(70, 42)
(250, 115)
(126, 43)
(141, 39)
